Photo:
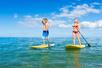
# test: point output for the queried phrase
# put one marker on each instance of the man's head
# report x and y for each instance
(45, 20)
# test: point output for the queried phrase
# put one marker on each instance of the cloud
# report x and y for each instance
(84, 24)
(55, 23)
(30, 21)
(88, 24)
(76, 11)
(57, 20)
(33, 21)
(94, 4)
(63, 25)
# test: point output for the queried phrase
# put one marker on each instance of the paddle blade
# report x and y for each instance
(89, 45)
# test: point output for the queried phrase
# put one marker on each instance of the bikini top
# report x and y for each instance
(76, 26)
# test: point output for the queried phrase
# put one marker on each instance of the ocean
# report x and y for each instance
(16, 52)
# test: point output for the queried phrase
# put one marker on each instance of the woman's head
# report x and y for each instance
(75, 20)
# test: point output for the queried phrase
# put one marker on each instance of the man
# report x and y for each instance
(45, 33)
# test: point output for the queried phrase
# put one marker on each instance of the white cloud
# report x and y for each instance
(63, 25)
(77, 11)
(64, 9)
(30, 21)
(35, 22)
(88, 24)
(55, 23)
(56, 20)
(94, 4)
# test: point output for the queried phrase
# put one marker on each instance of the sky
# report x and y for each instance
(22, 18)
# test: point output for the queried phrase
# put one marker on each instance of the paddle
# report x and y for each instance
(84, 39)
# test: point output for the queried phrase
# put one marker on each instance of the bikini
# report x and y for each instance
(76, 28)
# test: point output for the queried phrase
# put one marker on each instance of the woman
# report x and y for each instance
(75, 32)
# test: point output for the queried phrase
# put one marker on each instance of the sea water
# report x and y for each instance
(17, 53)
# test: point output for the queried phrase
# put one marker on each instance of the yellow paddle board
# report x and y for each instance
(74, 46)
(42, 46)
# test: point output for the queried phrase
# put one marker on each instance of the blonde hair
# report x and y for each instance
(75, 20)
(44, 20)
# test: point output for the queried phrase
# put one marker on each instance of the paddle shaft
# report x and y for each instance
(84, 39)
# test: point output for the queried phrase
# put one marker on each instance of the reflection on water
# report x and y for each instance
(44, 60)
(65, 59)
(73, 57)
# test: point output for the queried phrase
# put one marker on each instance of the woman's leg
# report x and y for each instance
(78, 36)
(74, 37)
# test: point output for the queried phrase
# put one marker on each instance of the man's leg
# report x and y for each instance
(44, 40)
(48, 41)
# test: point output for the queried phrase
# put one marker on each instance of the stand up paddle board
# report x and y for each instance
(42, 46)
(71, 46)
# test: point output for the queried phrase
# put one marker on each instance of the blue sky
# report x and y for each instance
(22, 18)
